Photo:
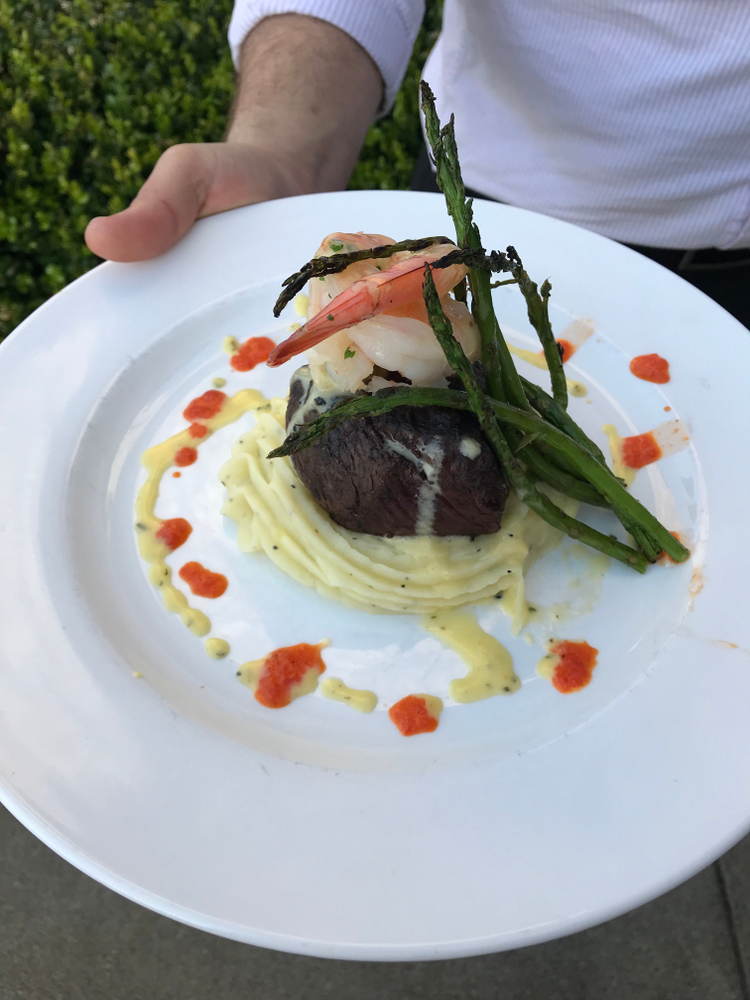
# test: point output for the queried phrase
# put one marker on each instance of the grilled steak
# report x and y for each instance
(412, 471)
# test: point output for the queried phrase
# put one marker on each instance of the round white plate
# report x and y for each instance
(314, 829)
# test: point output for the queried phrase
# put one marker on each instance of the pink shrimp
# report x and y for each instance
(396, 291)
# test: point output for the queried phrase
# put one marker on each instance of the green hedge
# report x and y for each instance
(93, 91)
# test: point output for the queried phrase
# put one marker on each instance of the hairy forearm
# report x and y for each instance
(307, 93)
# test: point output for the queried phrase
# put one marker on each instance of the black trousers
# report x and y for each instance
(723, 275)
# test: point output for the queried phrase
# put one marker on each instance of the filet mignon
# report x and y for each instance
(414, 470)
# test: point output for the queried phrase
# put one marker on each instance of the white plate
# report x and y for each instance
(314, 829)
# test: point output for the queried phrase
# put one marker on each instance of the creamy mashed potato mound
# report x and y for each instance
(276, 514)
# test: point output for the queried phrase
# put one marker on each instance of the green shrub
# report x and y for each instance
(93, 91)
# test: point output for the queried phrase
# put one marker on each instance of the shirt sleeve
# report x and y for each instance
(386, 29)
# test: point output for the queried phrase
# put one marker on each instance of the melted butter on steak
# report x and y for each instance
(405, 472)
(429, 463)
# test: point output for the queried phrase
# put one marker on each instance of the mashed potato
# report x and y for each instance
(275, 514)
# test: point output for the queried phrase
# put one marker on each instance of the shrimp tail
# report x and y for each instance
(396, 291)
(357, 305)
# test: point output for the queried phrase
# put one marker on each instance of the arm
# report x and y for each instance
(307, 94)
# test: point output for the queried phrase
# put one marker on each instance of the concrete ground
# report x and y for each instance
(65, 937)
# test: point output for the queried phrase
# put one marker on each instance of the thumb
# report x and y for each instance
(162, 212)
(188, 182)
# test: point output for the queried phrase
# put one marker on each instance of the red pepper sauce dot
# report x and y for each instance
(251, 353)
(202, 582)
(650, 368)
(185, 456)
(204, 407)
(568, 350)
(575, 665)
(640, 450)
(411, 716)
(197, 431)
(283, 670)
(663, 558)
(174, 532)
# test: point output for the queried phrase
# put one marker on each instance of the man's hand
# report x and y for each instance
(188, 182)
(307, 94)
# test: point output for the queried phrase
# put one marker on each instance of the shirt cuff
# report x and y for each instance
(386, 29)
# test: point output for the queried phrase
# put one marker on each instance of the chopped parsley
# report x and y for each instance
(349, 353)
(336, 247)
(330, 317)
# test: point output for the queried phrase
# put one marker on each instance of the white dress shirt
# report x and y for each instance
(627, 117)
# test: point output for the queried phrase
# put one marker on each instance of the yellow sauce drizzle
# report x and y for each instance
(546, 666)
(534, 358)
(301, 302)
(157, 461)
(538, 360)
(336, 690)
(217, 649)
(433, 704)
(619, 468)
(230, 345)
(218, 383)
(490, 664)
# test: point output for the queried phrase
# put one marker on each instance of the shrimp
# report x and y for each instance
(324, 290)
(383, 314)
(409, 346)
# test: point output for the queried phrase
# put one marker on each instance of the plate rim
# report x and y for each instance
(41, 828)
